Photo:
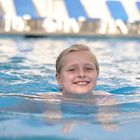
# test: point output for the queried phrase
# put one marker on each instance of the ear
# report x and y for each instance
(58, 77)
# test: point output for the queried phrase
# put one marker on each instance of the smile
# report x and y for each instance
(81, 83)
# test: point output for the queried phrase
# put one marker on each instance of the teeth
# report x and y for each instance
(81, 83)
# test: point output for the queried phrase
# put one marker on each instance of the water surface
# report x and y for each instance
(27, 69)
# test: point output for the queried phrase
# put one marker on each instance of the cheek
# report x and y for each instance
(63, 77)
(66, 78)
(94, 77)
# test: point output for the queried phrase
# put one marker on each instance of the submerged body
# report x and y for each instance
(77, 71)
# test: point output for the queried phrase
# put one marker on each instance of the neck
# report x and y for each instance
(77, 96)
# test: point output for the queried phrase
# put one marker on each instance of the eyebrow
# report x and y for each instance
(85, 64)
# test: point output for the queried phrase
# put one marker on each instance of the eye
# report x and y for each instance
(71, 69)
(89, 68)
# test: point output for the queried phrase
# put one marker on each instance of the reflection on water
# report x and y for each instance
(27, 69)
(52, 115)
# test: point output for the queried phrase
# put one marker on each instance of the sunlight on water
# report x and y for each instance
(27, 69)
(26, 60)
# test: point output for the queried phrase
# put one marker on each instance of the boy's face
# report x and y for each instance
(78, 74)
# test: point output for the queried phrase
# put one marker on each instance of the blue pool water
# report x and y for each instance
(27, 70)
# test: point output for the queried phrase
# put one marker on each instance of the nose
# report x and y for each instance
(81, 73)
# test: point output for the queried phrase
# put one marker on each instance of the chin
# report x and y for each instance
(79, 91)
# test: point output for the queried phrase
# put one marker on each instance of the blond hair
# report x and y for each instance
(75, 47)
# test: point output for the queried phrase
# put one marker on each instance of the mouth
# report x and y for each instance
(81, 83)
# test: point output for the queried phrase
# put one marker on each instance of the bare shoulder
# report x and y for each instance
(105, 98)
(102, 93)
(50, 96)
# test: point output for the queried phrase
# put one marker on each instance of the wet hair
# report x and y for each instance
(75, 47)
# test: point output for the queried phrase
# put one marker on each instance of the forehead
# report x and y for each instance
(79, 53)
(79, 56)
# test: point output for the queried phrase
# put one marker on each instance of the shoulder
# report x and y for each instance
(105, 98)
(101, 93)
(50, 96)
